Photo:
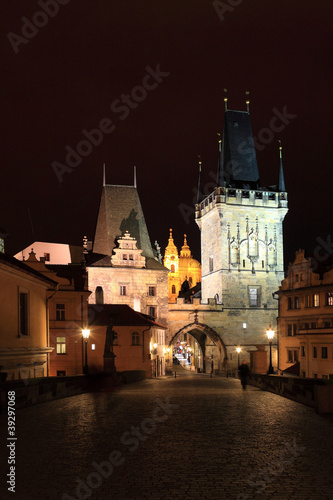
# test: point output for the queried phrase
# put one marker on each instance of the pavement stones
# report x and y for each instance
(193, 437)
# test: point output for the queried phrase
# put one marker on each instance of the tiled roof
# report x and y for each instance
(120, 210)
(12, 262)
(118, 315)
(238, 164)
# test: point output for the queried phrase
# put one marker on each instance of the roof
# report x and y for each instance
(118, 315)
(21, 266)
(119, 211)
(238, 163)
(73, 272)
(294, 369)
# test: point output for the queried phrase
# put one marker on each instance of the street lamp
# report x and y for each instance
(238, 349)
(270, 335)
(85, 334)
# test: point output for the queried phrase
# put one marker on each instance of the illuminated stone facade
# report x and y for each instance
(182, 267)
(241, 257)
(305, 323)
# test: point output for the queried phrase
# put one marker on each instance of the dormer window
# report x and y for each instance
(124, 256)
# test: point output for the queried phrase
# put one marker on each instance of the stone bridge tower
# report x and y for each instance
(242, 238)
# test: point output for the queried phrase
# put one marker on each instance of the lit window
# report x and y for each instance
(93, 347)
(316, 300)
(308, 301)
(122, 289)
(244, 325)
(296, 302)
(152, 291)
(135, 338)
(254, 297)
(61, 345)
(23, 314)
(60, 312)
(329, 299)
(47, 257)
(324, 352)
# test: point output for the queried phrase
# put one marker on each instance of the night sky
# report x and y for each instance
(68, 74)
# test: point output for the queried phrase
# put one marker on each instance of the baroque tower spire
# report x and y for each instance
(282, 186)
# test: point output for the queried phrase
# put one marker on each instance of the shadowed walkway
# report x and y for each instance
(190, 437)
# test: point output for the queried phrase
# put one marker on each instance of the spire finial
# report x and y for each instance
(200, 187)
(103, 174)
(170, 234)
(135, 176)
(220, 141)
(200, 162)
(185, 240)
(225, 100)
(282, 186)
(247, 93)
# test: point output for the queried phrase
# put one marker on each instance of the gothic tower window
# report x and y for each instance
(173, 289)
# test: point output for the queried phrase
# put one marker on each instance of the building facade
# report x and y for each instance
(305, 322)
(24, 333)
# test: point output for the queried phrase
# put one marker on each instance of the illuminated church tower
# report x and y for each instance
(241, 235)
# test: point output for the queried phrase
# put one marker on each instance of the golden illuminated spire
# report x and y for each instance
(185, 251)
(247, 93)
(171, 249)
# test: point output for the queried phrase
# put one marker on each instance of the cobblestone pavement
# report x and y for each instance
(193, 437)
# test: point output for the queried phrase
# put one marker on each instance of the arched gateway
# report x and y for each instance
(206, 349)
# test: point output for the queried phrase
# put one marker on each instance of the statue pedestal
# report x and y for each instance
(109, 364)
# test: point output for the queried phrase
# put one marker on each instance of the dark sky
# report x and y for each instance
(68, 73)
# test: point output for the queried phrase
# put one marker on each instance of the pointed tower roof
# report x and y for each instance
(185, 251)
(282, 186)
(171, 249)
(120, 211)
(238, 166)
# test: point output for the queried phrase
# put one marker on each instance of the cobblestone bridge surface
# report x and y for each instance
(193, 437)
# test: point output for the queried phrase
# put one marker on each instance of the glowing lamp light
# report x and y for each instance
(238, 349)
(270, 333)
(155, 345)
(86, 334)
(168, 349)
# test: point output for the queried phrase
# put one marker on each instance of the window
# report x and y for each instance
(61, 345)
(131, 256)
(314, 352)
(23, 313)
(124, 256)
(172, 268)
(292, 356)
(290, 303)
(47, 257)
(289, 330)
(296, 302)
(61, 373)
(99, 295)
(60, 312)
(329, 299)
(122, 289)
(316, 300)
(315, 375)
(135, 338)
(297, 278)
(254, 296)
(243, 262)
(324, 352)
(173, 289)
(308, 301)
(93, 347)
(211, 264)
(303, 350)
(152, 311)
(190, 280)
(263, 264)
(152, 291)
(325, 377)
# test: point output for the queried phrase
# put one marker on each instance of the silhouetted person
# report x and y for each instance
(244, 371)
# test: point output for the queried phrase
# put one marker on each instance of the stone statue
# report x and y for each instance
(110, 334)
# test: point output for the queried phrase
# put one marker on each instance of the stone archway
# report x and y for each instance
(210, 343)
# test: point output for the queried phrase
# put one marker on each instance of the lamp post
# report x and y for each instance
(270, 335)
(238, 349)
(85, 334)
